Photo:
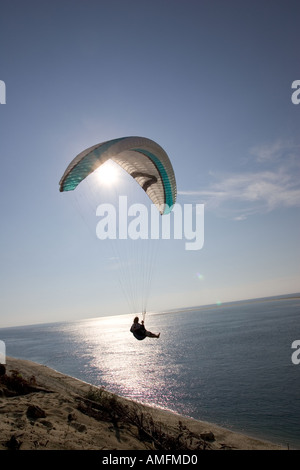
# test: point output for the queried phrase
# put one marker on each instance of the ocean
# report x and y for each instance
(229, 364)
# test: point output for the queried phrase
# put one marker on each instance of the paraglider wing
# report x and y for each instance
(142, 158)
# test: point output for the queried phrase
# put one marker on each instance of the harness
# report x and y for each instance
(139, 335)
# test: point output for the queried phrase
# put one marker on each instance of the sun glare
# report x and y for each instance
(108, 173)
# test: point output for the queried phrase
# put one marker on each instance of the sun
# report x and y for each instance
(108, 173)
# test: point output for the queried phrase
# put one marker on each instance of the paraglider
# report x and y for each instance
(139, 331)
(146, 162)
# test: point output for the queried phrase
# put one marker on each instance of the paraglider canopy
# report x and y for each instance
(141, 158)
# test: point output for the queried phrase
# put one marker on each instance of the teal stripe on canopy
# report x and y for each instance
(166, 182)
(85, 166)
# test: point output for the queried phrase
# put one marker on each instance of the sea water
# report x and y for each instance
(229, 364)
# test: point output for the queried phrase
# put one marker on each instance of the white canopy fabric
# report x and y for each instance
(141, 158)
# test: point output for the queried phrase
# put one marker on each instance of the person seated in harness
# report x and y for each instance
(139, 331)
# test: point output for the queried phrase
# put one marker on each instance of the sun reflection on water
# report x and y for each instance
(119, 362)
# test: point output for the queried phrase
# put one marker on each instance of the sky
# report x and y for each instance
(211, 82)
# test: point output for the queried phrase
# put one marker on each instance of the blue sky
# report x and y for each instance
(210, 81)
